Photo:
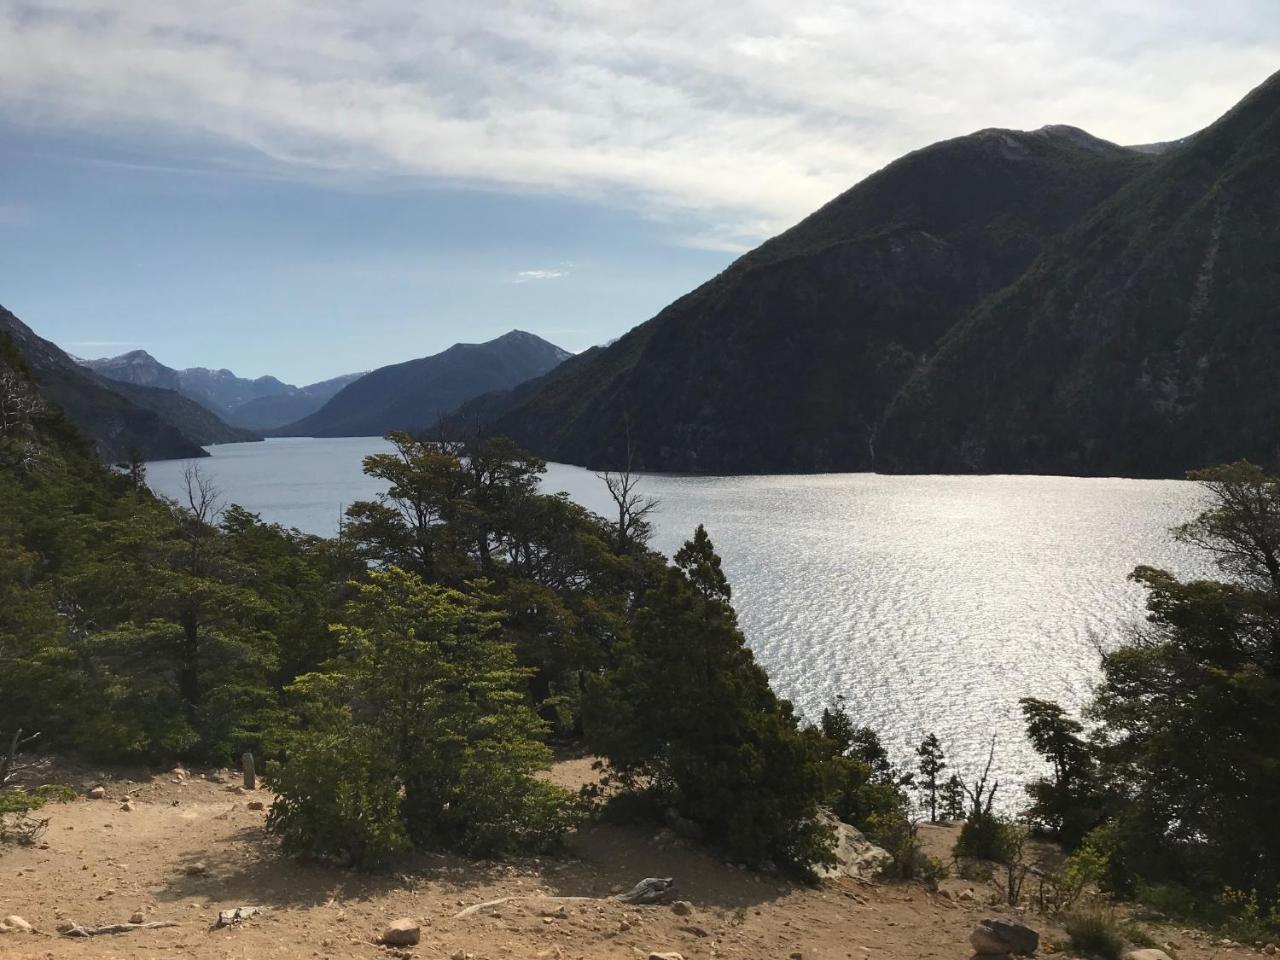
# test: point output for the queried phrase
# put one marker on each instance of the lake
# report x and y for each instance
(932, 603)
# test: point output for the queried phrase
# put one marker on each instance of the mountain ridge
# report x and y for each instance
(416, 394)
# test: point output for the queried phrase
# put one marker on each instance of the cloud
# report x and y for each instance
(524, 276)
(728, 120)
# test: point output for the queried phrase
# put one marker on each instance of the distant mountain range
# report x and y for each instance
(134, 403)
(256, 404)
(416, 394)
(119, 419)
(1005, 301)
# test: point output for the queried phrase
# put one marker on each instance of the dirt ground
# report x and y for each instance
(190, 847)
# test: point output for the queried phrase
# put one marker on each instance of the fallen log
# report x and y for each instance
(78, 931)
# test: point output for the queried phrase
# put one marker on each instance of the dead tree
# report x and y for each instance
(633, 527)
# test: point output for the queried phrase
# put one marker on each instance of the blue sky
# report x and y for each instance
(311, 187)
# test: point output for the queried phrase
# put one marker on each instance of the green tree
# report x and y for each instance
(951, 798)
(1066, 803)
(689, 714)
(930, 764)
(419, 725)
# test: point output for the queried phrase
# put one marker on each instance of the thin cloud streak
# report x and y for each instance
(729, 120)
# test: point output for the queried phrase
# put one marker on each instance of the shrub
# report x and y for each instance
(418, 734)
(1095, 933)
(16, 806)
(987, 836)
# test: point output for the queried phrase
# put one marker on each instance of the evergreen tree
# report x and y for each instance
(951, 798)
(930, 764)
(689, 713)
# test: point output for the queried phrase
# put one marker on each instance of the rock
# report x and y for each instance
(256, 805)
(402, 933)
(197, 869)
(665, 956)
(682, 908)
(14, 924)
(994, 936)
(856, 856)
(127, 807)
(1269, 949)
(1149, 953)
(138, 917)
(649, 890)
(227, 917)
(98, 793)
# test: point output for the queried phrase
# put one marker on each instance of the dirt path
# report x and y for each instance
(190, 848)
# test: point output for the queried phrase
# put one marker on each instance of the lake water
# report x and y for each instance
(932, 603)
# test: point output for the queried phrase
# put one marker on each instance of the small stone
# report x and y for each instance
(138, 917)
(106, 893)
(98, 793)
(682, 908)
(1269, 949)
(127, 807)
(256, 805)
(15, 924)
(797, 955)
(1149, 953)
(197, 869)
(402, 933)
(666, 956)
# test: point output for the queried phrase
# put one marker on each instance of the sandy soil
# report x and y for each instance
(190, 847)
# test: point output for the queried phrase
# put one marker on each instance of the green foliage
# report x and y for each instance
(987, 837)
(1058, 890)
(422, 717)
(16, 806)
(930, 763)
(688, 713)
(1066, 804)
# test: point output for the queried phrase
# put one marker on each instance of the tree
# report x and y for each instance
(633, 528)
(689, 715)
(1241, 527)
(1065, 803)
(418, 733)
(951, 798)
(930, 765)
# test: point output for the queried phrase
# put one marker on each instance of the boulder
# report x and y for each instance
(402, 933)
(1147, 953)
(994, 936)
(856, 856)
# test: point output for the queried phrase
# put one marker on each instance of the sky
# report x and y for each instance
(311, 187)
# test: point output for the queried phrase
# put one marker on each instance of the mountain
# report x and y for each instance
(252, 404)
(1146, 341)
(787, 359)
(1003, 302)
(279, 409)
(414, 395)
(116, 425)
(219, 390)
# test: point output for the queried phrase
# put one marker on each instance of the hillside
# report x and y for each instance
(1146, 342)
(116, 426)
(786, 360)
(414, 395)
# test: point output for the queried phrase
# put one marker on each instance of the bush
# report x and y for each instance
(418, 734)
(16, 806)
(335, 801)
(985, 837)
(1095, 933)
